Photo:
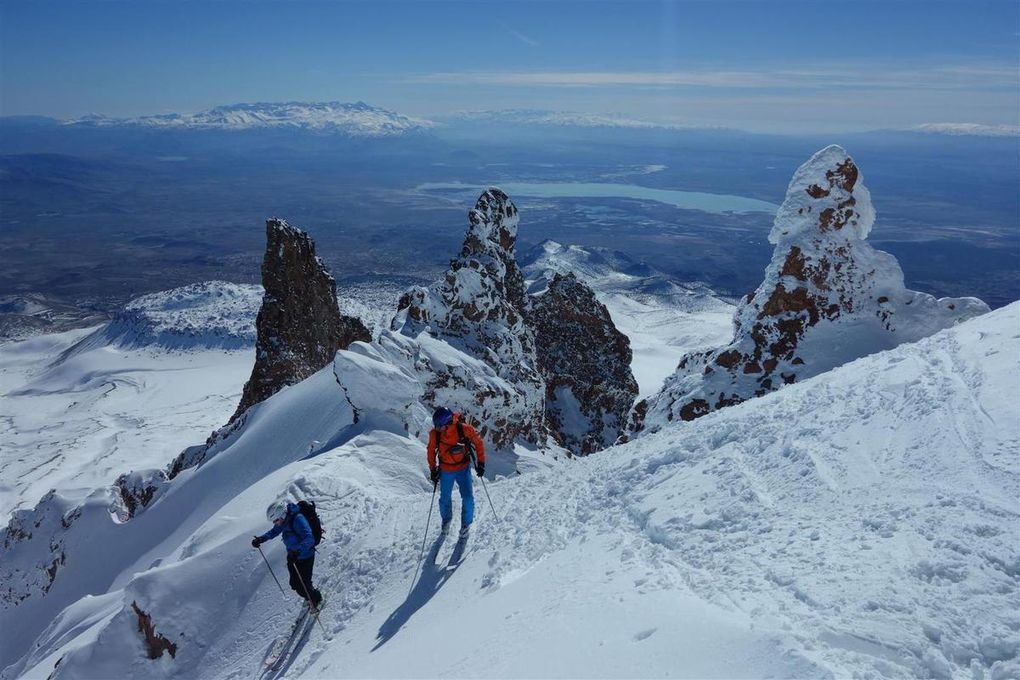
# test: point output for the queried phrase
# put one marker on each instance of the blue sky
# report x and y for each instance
(777, 66)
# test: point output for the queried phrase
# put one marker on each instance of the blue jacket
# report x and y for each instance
(297, 535)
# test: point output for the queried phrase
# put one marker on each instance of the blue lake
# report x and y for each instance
(688, 200)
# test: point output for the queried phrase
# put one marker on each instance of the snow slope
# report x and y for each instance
(79, 408)
(860, 523)
(106, 409)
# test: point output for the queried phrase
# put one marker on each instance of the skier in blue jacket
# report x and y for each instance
(297, 536)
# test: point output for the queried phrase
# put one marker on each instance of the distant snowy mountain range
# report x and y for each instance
(564, 119)
(356, 120)
(359, 119)
(969, 129)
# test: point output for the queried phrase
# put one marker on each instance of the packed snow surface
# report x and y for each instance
(862, 523)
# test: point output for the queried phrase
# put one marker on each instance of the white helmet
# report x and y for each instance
(277, 510)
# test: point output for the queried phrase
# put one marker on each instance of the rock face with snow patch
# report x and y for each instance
(478, 308)
(828, 297)
(299, 325)
(137, 490)
(585, 361)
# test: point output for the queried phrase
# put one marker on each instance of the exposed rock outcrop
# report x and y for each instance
(479, 309)
(828, 297)
(33, 546)
(585, 360)
(155, 644)
(299, 325)
(137, 490)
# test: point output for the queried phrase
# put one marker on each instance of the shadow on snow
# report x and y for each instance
(432, 579)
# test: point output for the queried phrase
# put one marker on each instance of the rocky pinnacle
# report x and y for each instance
(299, 325)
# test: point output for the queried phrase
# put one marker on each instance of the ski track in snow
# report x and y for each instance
(777, 525)
(862, 523)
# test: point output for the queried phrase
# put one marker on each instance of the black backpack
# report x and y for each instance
(307, 509)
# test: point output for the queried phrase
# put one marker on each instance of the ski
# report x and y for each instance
(281, 645)
(436, 547)
(457, 556)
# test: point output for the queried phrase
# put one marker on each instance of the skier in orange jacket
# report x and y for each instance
(450, 461)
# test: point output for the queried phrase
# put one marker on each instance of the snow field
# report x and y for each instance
(863, 522)
(851, 525)
(879, 540)
(78, 424)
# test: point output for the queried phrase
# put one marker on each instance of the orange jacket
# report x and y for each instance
(453, 457)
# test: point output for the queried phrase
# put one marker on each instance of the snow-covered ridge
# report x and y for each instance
(200, 315)
(218, 315)
(969, 129)
(858, 524)
(357, 119)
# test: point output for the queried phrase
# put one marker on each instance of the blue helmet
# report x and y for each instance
(442, 416)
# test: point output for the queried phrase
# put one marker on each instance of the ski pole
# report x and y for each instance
(486, 489)
(474, 460)
(315, 610)
(271, 570)
(424, 538)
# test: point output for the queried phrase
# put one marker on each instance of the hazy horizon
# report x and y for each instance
(790, 68)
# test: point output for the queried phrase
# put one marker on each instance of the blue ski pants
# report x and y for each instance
(467, 495)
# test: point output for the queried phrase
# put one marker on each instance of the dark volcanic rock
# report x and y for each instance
(299, 326)
(585, 361)
(155, 644)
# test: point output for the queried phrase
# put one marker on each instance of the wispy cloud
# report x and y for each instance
(523, 38)
(861, 76)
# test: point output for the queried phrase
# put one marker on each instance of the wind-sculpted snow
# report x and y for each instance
(77, 424)
(828, 297)
(478, 309)
(860, 523)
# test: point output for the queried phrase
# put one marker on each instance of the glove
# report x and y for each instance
(292, 554)
(434, 475)
(480, 469)
(257, 541)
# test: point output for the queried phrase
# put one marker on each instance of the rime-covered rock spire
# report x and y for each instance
(478, 308)
(828, 297)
